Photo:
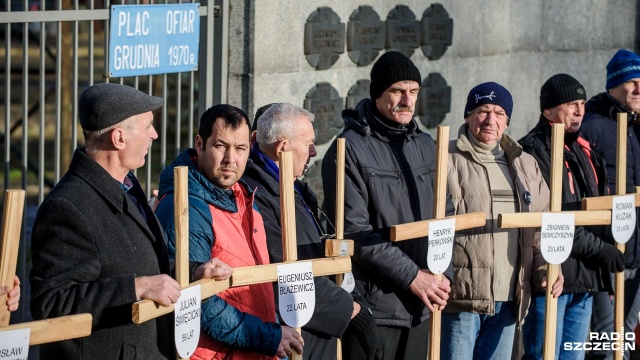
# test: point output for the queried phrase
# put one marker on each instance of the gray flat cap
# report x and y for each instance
(106, 104)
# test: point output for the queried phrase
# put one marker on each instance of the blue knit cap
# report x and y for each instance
(489, 93)
(624, 66)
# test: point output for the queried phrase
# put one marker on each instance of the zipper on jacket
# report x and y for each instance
(423, 175)
(384, 176)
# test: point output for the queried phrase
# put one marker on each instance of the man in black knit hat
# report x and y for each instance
(389, 180)
(562, 100)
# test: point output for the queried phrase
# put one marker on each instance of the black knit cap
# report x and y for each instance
(390, 68)
(259, 112)
(560, 89)
(106, 104)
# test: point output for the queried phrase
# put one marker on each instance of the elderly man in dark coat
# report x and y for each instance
(97, 246)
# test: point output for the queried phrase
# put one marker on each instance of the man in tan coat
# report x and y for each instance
(493, 267)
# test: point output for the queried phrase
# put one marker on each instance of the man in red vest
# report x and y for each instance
(239, 323)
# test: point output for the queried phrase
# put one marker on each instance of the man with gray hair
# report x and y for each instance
(96, 245)
(286, 127)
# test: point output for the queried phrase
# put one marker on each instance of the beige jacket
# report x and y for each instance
(473, 260)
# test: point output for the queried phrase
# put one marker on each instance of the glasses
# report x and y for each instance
(323, 219)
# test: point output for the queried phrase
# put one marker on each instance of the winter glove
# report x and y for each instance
(363, 328)
(612, 258)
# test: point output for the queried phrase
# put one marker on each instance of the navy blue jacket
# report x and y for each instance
(599, 127)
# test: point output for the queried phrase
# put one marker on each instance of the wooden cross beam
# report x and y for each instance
(421, 228)
(606, 203)
(42, 331)
(521, 220)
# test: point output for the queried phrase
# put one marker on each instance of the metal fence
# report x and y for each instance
(53, 50)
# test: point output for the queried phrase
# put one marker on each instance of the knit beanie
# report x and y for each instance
(560, 89)
(624, 66)
(489, 93)
(392, 67)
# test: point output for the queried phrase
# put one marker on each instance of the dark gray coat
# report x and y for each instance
(89, 242)
(389, 179)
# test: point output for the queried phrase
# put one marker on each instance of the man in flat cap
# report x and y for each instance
(97, 246)
(389, 180)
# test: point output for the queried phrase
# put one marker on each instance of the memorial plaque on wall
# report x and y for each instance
(323, 38)
(437, 31)
(365, 35)
(358, 92)
(402, 30)
(325, 103)
(434, 100)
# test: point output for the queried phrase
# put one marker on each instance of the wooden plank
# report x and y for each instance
(288, 219)
(333, 248)
(534, 219)
(268, 273)
(555, 205)
(181, 220)
(603, 202)
(621, 189)
(421, 228)
(439, 211)
(340, 161)
(56, 329)
(12, 224)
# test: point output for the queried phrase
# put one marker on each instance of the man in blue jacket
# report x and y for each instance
(599, 128)
(238, 323)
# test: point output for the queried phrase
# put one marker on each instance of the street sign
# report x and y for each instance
(153, 39)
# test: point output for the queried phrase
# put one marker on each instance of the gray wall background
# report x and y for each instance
(518, 43)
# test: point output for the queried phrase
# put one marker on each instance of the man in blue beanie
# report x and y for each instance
(493, 267)
(389, 180)
(599, 128)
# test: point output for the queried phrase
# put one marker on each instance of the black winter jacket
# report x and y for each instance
(583, 271)
(334, 305)
(389, 180)
(599, 128)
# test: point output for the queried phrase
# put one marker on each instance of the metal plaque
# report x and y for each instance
(434, 100)
(365, 35)
(437, 31)
(402, 30)
(323, 38)
(325, 103)
(358, 92)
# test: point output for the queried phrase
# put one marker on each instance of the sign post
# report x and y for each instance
(441, 232)
(15, 339)
(623, 224)
(554, 231)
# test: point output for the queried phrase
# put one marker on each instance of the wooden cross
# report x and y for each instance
(533, 219)
(42, 331)
(606, 203)
(146, 310)
(421, 228)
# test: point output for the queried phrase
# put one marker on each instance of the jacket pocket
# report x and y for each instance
(127, 352)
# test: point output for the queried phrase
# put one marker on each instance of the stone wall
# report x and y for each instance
(518, 44)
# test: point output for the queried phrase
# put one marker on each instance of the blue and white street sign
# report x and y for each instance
(153, 39)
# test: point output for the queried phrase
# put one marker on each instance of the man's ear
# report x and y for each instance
(282, 145)
(118, 138)
(199, 144)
